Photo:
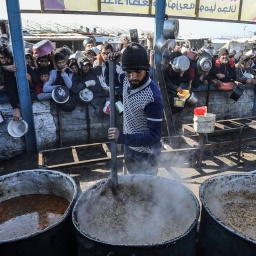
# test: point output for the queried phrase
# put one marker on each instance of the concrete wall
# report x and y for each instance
(75, 131)
(69, 127)
(221, 105)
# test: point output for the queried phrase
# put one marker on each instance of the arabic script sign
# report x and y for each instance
(208, 9)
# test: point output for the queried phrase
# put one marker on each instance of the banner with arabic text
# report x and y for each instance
(249, 11)
(204, 9)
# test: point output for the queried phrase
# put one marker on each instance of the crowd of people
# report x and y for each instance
(88, 69)
(60, 72)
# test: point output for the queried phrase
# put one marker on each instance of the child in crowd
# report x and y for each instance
(44, 77)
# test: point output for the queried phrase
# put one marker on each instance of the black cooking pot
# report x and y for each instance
(227, 226)
(149, 215)
(70, 105)
(237, 93)
(58, 239)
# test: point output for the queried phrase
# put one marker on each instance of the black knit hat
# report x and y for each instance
(135, 57)
(59, 56)
(222, 51)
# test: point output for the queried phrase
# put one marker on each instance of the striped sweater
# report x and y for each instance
(143, 113)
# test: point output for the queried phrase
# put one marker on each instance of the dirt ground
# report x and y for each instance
(218, 161)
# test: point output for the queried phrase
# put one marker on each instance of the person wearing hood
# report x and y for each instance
(142, 114)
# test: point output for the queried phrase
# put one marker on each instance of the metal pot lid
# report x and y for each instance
(86, 95)
(181, 63)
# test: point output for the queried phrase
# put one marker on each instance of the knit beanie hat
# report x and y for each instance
(59, 56)
(135, 57)
(222, 51)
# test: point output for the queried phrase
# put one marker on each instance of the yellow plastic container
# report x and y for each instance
(183, 94)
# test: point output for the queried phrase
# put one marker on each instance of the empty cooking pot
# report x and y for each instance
(187, 52)
(70, 105)
(237, 93)
(180, 63)
(17, 128)
(28, 45)
(85, 96)
(192, 100)
(117, 46)
(204, 64)
(171, 28)
(43, 47)
(160, 45)
(171, 43)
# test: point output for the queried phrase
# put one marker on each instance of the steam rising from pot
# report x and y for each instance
(155, 210)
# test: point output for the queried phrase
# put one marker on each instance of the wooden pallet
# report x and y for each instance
(100, 152)
(236, 127)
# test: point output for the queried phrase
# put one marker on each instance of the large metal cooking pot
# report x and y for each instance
(149, 215)
(85, 96)
(160, 45)
(70, 105)
(180, 64)
(28, 45)
(171, 28)
(237, 93)
(117, 46)
(227, 226)
(43, 47)
(57, 239)
(204, 62)
(171, 43)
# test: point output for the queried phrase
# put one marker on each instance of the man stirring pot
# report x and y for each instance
(142, 115)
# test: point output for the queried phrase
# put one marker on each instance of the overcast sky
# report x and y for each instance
(187, 27)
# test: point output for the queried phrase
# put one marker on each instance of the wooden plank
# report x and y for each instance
(222, 126)
(167, 147)
(82, 162)
(189, 128)
(106, 149)
(40, 160)
(190, 141)
(74, 153)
